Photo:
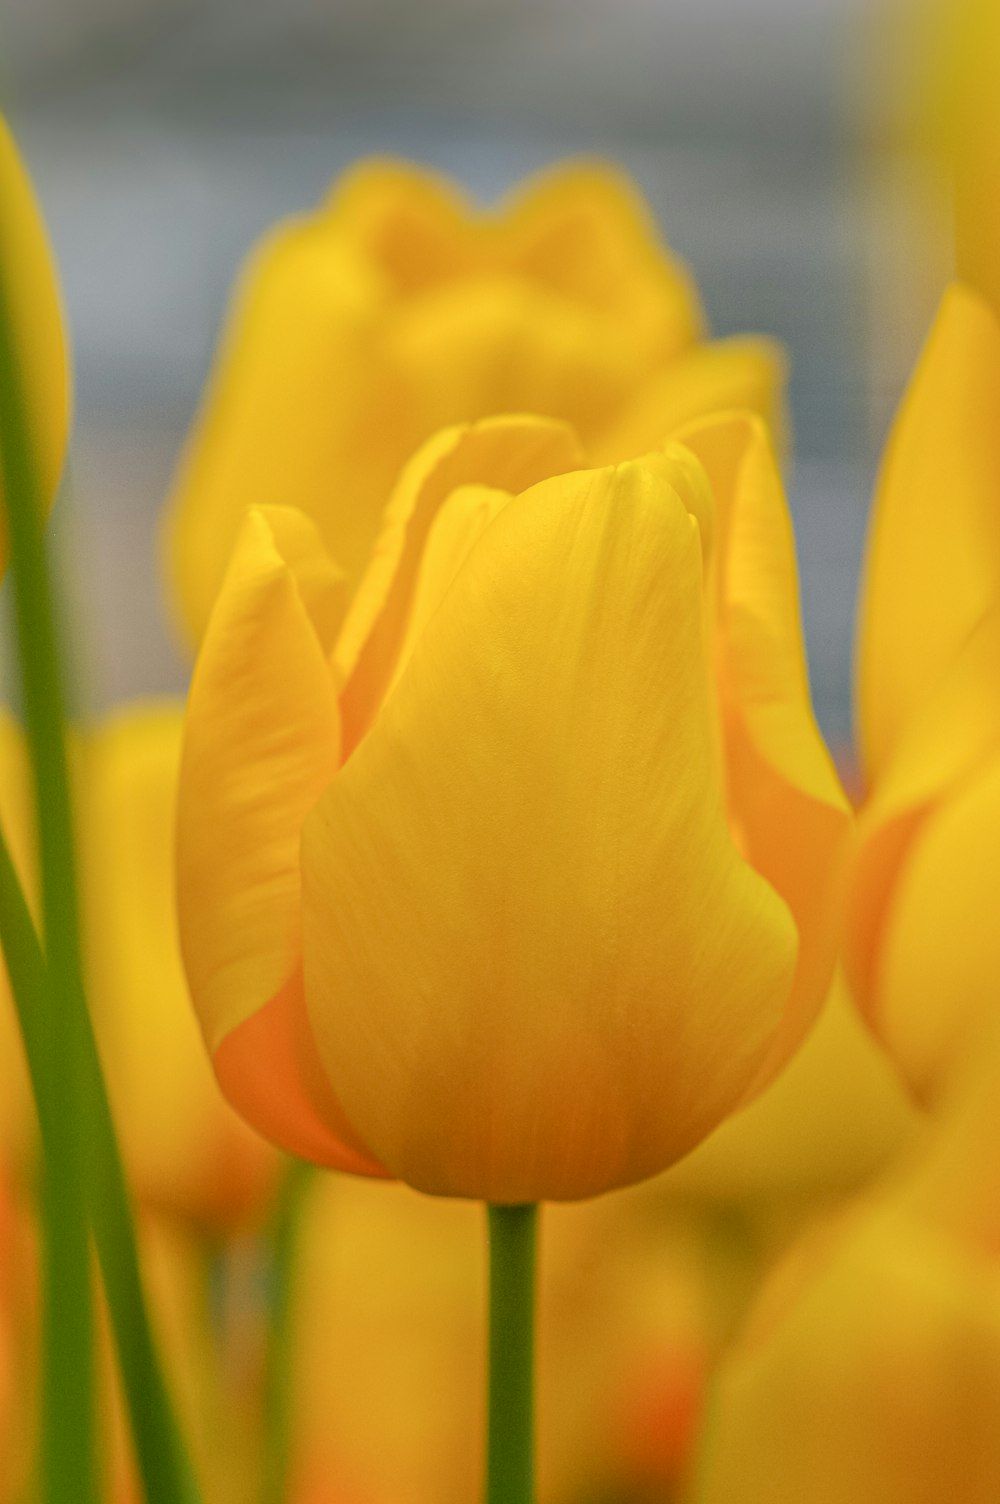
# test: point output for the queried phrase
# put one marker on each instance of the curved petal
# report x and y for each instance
(33, 296)
(281, 412)
(584, 231)
(723, 375)
(785, 798)
(939, 959)
(949, 737)
(415, 226)
(185, 1148)
(535, 964)
(506, 454)
(933, 554)
(261, 743)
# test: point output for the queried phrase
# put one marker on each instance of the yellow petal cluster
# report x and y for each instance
(398, 309)
(923, 946)
(514, 872)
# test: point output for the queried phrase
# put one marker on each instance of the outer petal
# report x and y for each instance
(720, 376)
(785, 798)
(536, 966)
(947, 741)
(933, 561)
(261, 742)
(939, 960)
(285, 418)
(506, 454)
(186, 1148)
(30, 283)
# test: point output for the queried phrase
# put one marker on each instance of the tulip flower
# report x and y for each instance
(398, 309)
(515, 874)
(187, 1153)
(870, 1369)
(923, 947)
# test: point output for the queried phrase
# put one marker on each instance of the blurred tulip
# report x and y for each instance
(186, 1152)
(955, 105)
(398, 308)
(33, 299)
(923, 945)
(871, 1369)
(571, 897)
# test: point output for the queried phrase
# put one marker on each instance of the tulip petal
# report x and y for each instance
(933, 555)
(506, 454)
(261, 742)
(535, 964)
(785, 797)
(939, 960)
(416, 226)
(949, 737)
(281, 413)
(583, 231)
(720, 376)
(33, 297)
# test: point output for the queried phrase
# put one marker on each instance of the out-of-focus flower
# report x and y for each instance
(923, 944)
(955, 106)
(186, 1151)
(571, 897)
(398, 309)
(33, 300)
(871, 1368)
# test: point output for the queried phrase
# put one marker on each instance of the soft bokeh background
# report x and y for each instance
(166, 134)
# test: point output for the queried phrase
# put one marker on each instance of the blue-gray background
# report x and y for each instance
(164, 135)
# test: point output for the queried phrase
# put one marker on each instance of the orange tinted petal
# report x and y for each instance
(785, 797)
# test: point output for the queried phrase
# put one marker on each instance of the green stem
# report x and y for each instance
(81, 1159)
(163, 1463)
(68, 1459)
(510, 1459)
(279, 1361)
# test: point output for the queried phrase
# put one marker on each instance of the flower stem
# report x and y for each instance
(68, 1454)
(510, 1459)
(279, 1361)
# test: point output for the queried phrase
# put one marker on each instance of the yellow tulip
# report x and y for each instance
(398, 308)
(923, 947)
(33, 299)
(870, 1370)
(186, 1151)
(517, 873)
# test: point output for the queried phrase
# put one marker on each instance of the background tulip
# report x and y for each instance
(564, 819)
(33, 298)
(399, 296)
(187, 1153)
(870, 1369)
(922, 944)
